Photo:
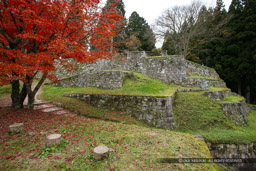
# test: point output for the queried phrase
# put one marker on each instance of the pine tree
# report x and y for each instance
(120, 39)
(137, 26)
(236, 54)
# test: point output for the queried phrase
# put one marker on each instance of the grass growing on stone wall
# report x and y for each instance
(219, 89)
(232, 99)
(207, 78)
(198, 114)
(140, 86)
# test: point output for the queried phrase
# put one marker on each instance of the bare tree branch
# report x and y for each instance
(180, 22)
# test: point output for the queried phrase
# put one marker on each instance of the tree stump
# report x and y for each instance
(53, 139)
(100, 152)
(16, 128)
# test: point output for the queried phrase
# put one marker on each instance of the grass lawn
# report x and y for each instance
(5, 90)
(135, 147)
(197, 114)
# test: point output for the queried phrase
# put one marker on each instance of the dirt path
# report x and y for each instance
(5, 101)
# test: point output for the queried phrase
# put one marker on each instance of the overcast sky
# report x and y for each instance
(151, 9)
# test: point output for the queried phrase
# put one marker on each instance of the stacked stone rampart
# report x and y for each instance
(156, 111)
(99, 79)
(169, 69)
(200, 70)
(111, 74)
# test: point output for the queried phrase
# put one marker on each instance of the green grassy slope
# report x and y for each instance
(134, 147)
(197, 114)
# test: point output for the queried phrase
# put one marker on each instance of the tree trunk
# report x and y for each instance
(248, 93)
(31, 93)
(23, 95)
(239, 87)
(15, 96)
(31, 100)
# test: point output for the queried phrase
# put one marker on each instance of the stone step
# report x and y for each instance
(56, 109)
(39, 102)
(60, 112)
(51, 109)
(43, 106)
(204, 83)
(220, 94)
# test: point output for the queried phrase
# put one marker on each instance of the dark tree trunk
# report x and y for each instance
(248, 93)
(23, 95)
(15, 96)
(31, 93)
(239, 87)
(31, 100)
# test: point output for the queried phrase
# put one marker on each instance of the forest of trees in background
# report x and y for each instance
(226, 41)
(215, 37)
(133, 34)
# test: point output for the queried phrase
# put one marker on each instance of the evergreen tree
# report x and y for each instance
(167, 44)
(120, 39)
(120, 7)
(227, 42)
(234, 56)
(137, 26)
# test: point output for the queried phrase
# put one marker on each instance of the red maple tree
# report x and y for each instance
(34, 34)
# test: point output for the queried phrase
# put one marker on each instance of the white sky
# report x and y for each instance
(151, 9)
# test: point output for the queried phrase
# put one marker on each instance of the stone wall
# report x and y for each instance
(99, 79)
(156, 111)
(169, 69)
(219, 95)
(200, 70)
(204, 83)
(102, 64)
(235, 151)
(237, 112)
(216, 83)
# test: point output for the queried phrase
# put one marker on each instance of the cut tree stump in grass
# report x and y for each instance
(100, 152)
(53, 139)
(16, 128)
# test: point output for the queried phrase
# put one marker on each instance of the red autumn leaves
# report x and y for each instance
(34, 33)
